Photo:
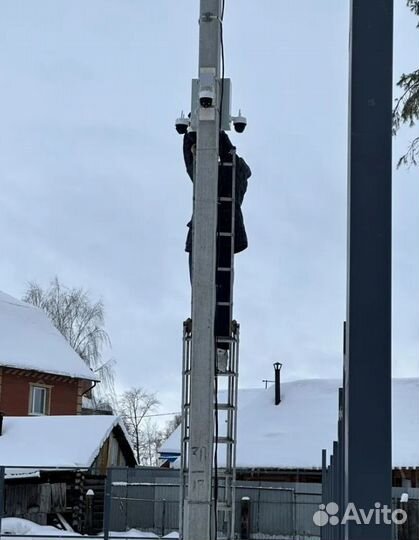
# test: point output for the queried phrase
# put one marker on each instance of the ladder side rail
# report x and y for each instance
(233, 236)
(184, 427)
(227, 503)
(235, 357)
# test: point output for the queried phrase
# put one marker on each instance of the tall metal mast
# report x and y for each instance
(368, 464)
(198, 506)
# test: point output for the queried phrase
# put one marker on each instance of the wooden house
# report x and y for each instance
(51, 462)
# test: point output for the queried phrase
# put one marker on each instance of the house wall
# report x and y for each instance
(110, 455)
(35, 501)
(65, 393)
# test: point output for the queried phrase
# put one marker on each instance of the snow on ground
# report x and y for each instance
(53, 441)
(28, 340)
(25, 528)
(293, 433)
(132, 533)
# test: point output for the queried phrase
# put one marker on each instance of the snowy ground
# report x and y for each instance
(27, 529)
(22, 528)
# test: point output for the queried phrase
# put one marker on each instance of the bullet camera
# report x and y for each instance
(207, 98)
(182, 124)
(239, 122)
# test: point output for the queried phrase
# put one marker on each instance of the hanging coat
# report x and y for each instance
(243, 172)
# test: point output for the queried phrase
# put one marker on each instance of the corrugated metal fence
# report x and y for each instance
(148, 500)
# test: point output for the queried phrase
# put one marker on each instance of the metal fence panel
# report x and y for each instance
(271, 510)
(148, 500)
(305, 507)
(167, 505)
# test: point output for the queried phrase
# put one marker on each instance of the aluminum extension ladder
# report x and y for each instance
(225, 380)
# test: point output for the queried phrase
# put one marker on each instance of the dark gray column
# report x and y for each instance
(2, 489)
(368, 359)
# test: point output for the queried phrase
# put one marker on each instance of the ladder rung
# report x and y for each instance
(226, 374)
(227, 164)
(225, 199)
(223, 269)
(223, 303)
(224, 440)
(224, 506)
(225, 407)
(224, 473)
(225, 234)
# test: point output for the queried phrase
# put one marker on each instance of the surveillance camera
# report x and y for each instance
(207, 85)
(240, 123)
(207, 98)
(182, 124)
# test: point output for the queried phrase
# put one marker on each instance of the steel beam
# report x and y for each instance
(368, 340)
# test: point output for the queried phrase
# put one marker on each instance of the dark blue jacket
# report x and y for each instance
(243, 172)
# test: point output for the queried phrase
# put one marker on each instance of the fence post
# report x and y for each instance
(245, 518)
(89, 511)
(107, 504)
(163, 516)
(1, 495)
(402, 531)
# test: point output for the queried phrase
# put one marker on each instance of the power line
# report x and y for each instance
(162, 414)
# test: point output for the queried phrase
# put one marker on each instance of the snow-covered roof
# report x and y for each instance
(45, 442)
(28, 340)
(292, 434)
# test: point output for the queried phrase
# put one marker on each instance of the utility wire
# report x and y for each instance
(162, 414)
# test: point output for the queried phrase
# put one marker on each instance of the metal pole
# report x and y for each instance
(324, 488)
(341, 498)
(368, 360)
(2, 487)
(107, 504)
(198, 506)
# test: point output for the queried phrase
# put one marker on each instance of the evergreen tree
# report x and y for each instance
(406, 110)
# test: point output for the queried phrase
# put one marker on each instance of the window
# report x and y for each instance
(39, 400)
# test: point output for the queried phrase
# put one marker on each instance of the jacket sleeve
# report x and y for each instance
(225, 147)
(244, 167)
(189, 140)
(243, 172)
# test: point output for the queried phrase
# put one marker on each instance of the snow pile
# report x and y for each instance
(132, 533)
(28, 340)
(293, 433)
(53, 441)
(25, 528)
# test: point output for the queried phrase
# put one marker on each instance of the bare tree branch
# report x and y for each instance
(80, 321)
(134, 405)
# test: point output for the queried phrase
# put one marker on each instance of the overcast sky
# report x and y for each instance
(93, 186)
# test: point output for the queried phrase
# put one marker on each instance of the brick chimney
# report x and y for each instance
(277, 368)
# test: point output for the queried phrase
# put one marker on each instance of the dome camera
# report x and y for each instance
(182, 124)
(239, 122)
(206, 98)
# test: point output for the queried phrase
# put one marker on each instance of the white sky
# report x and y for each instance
(94, 188)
